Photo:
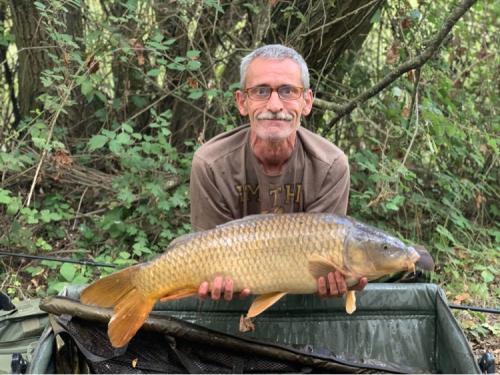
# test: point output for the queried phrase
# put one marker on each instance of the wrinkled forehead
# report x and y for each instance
(273, 72)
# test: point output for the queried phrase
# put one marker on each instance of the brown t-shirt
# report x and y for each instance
(228, 183)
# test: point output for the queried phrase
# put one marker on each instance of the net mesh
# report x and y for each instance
(87, 349)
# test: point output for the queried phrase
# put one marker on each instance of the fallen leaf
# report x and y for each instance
(406, 23)
(62, 158)
(92, 64)
(392, 54)
(460, 51)
(246, 324)
(461, 297)
(192, 82)
(480, 199)
(411, 75)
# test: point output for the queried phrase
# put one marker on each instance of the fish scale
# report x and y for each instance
(270, 254)
(281, 245)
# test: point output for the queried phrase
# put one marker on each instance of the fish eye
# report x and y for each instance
(386, 247)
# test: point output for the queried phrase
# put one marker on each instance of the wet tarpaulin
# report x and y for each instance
(397, 328)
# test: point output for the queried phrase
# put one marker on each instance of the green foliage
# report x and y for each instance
(433, 180)
(145, 204)
(477, 326)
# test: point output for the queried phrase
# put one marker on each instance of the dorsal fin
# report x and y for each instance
(183, 239)
(190, 236)
(246, 220)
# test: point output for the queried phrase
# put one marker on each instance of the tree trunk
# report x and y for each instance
(31, 42)
(128, 69)
(326, 33)
(79, 120)
(9, 79)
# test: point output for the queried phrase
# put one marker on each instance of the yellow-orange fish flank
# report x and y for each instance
(272, 255)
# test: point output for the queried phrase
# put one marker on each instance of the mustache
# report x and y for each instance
(274, 116)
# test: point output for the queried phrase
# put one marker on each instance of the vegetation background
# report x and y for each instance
(104, 102)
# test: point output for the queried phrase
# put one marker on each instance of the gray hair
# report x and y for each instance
(274, 52)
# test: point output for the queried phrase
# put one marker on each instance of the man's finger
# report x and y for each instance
(216, 288)
(332, 284)
(360, 285)
(322, 291)
(203, 290)
(228, 289)
(245, 293)
(341, 284)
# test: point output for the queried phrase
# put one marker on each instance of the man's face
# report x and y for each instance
(274, 119)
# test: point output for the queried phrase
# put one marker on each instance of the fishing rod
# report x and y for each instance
(56, 259)
(489, 310)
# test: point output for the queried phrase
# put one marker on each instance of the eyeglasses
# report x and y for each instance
(285, 92)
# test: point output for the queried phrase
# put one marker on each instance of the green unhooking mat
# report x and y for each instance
(397, 328)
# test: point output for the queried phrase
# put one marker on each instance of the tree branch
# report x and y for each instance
(415, 63)
(323, 104)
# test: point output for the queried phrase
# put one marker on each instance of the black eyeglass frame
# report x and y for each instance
(301, 88)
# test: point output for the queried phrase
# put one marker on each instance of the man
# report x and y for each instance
(271, 165)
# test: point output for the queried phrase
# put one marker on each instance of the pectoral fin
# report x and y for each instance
(263, 302)
(350, 302)
(320, 266)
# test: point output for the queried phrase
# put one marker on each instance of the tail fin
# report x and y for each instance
(107, 291)
(129, 315)
(131, 307)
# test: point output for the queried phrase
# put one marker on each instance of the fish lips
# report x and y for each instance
(412, 259)
(425, 261)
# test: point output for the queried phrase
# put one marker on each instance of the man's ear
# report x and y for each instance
(240, 100)
(308, 98)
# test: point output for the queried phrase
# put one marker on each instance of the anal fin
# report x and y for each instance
(263, 302)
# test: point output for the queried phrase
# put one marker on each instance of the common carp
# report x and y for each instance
(271, 254)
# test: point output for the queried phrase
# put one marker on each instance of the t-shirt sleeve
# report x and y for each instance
(333, 195)
(207, 205)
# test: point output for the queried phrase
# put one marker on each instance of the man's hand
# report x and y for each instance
(334, 285)
(220, 287)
